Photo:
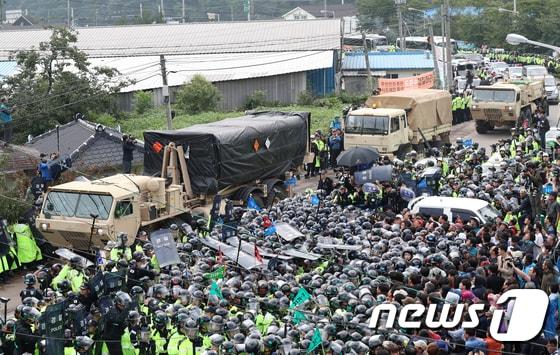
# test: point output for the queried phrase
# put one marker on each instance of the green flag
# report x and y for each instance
(315, 341)
(216, 291)
(298, 317)
(216, 274)
(300, 298)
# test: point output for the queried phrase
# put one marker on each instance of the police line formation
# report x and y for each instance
(359, 247)
(363, 249)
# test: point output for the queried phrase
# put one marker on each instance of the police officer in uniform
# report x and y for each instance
(121, 251)
(159, 333)
(30, 291)
(115, 323)
(83, 345)
(26, 340)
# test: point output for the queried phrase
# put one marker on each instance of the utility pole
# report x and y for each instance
(339, 86)
(368, 68)
(183, 13)
(162, 10)
(402, 39)
(449, 68)
(249, 11)
(72, 17)
(325, 8)
(68, 13)
(96, 17)
(165, 91)
(443, 51)
(436, 68)
(141, 12)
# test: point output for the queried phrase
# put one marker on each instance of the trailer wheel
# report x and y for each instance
(244, 193)
(260, 200)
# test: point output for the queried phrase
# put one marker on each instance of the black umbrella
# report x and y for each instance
(357, 156)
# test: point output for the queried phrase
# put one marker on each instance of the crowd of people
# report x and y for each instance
(321, 300)
(359, 247)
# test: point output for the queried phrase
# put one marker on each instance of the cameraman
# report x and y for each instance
(128, 145)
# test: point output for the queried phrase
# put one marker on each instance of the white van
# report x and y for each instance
(534, 72)
(466, 208)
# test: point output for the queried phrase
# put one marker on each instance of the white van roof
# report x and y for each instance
(447, 202)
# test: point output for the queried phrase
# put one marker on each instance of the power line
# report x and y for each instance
(38, 114)
(81, 87)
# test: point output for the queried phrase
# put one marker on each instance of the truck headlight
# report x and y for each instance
(44, 227)
(100, 231)
(510, 108)
(474, 107)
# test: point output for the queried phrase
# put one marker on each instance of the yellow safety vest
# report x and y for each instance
(159, 341)
(173, 345)
(126, 344)
(27, 249)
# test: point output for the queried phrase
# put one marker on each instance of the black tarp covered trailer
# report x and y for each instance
(234, 151)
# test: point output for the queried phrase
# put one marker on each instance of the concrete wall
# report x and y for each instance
(281, 88)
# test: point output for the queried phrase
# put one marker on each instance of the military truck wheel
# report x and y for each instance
(260, 200)
(403, 149)
(277, 194)
(481, 127)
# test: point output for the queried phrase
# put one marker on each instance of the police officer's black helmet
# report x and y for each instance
(29, 279)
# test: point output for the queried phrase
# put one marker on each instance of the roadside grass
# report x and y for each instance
(155, 119)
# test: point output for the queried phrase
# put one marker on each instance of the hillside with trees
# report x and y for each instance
(111, 12)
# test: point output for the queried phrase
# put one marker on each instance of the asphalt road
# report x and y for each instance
(467, 130)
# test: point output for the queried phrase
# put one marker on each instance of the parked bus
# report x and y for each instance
(423, 43)
(373, 40)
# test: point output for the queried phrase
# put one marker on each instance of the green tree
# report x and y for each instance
(143, 101)
(198, 96)
(12, 205)
(56, 81)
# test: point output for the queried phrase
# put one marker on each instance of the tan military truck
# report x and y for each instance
(395, 123)
(506, 103)
(234, 158)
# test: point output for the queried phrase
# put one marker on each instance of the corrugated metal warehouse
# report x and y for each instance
(280, 58)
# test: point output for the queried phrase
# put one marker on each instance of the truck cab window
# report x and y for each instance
(123, 208)
(394, 124)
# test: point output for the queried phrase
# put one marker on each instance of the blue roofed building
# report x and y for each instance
(7, 69)
(389, 65)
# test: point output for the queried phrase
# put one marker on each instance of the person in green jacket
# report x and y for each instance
(27, 250)
(122, 251)
(179, 343)
(71, 272)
